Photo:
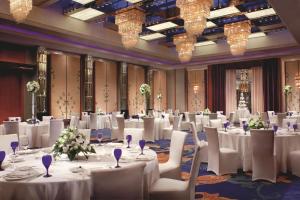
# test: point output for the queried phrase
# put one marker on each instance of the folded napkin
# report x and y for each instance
(235, 131)
(22, 173)
(144, 157)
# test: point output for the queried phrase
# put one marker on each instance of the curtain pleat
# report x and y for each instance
(230, 91)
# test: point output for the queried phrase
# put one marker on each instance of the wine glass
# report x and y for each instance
(275, 128)
(25, 143)
(2, 157)
(225, 126)
(14, 146)
(295, 126)
(268, 123)
(142, 144)
(47, 159)
(99, 138)
(288, 125)
(128, 138)
(117, 154)
(245, 127)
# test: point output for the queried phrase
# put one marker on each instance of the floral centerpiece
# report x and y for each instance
(32, 86)
(72, 142)
(287, 89)
(206, 111)
(256, 123)
(145, 90)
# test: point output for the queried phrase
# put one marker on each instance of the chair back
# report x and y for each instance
(186, 116)
(176, 146)
(215, 123)
(14, 119)
(213, 116)
(194, 172)
(262, 142)
(270, 113)
(47, 119)
(56, 127)
(11, 127)
(93, 121)
(280, 117)
(121, 125)
(213, 145)
(151, 113)
(177, 121)
(74, 122)
(194, 131)
(5, 141)
(124, 183)
(231, 118)
(114, 122)
(149, 128)
(192, 117)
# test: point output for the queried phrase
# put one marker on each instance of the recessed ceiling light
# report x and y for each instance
(162, 26)
(83, 1)
(210, 24)
(133, 1)
(152, 36)
(86, 14)
(256, 35)
(261, 13)
(223, 12)
(205, 43)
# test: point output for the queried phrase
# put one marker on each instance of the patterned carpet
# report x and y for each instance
(227, 187)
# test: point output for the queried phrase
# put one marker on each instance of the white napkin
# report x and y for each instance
(235, 131)
(144, 157)
(22, 173)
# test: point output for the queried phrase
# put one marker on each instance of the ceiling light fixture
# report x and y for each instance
(194, 14)
(130, 21)
(83, 2)
(237, 36)
(162, 26)
(20, 9)
(86, 14)
(256, 35)
(223, 12)
(184, 46)
(261, 13)
(205, 43)
(152, 36)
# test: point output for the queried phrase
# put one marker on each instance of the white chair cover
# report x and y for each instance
(87, 133)
(171, 169)
(215, 123)
(129, 184)
(271, 113)
(201, 143)
(186, 115)
(294, 158)
(56, 127)
(114, 122)
(11, 127)
(192, 117)
(93, 121)
(47, 119)
(5, 141)
(74, 122)
(213, 116)
(165, 188)
(218, 158)
(149, 129)
(118, 132)
(167, 132)
(280, 117)
(263, 158)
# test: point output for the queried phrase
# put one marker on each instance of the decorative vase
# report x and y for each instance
(33, 118)
(146, 104)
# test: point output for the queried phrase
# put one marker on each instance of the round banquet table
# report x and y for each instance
(64, 184)
(285, 142)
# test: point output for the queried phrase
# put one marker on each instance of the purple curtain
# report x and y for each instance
(218, 88)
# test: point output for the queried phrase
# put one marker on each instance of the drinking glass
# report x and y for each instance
(14, 146)
(2, 157)
(245, 127)
(225, 126)
(288, 125)
(99, 138)
(295, 126)
(142, 144)
(128, 138)
(47, 159)
(275, 128)
(117, 154)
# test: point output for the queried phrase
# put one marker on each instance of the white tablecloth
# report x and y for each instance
(284, 143)
(34, 133)
(67, 185)
(204, 119)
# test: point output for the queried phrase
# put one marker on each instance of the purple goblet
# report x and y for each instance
(225, 126)
(2, 157)
(245, 127)
(99, 138)
(14, 145)
(128, 138)
(117, 154)
(295, 126)
(47, 159)
(142, 144)
(288, 124)
(275, 128)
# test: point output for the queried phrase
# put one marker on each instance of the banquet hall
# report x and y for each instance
(149, 99)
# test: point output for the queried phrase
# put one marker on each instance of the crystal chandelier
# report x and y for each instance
(194, 14)
(237, 36)
(184, 46)
(20, 9)
(130, 21)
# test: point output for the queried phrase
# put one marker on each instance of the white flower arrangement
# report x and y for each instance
(256, 123)
(32, 86)
(206, 111)
(145, 89)
(72, 142)
(287, 89)
(159, 96)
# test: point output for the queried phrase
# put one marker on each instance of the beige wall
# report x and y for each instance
(180, 90)
(106, 85)
(170, 89)
(196, 99)
(291, 70)
(160, 86)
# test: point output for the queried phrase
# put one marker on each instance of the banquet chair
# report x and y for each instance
(87, 133)
(231, 118)
(280, 117)
(5, 141)
(294, 162)
(166, 188)
(74, 122)
(192, 117)
(149, 129)
(185, 124)
(201, 143)
(186, 116)
(11, 127)
(124, 183)
(151, 113)
(220, 160)
(114, 122)
(82, 124)
(215, 123)
(93, 121)
(47, 119)
(171, 168)
(263, 158)
(213, 116)
(14, 119)
(56, 127)
(270, 113)
(167, 132)
(118, 132)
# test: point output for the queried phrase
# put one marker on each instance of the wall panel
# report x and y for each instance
(196, 98)
(160, 86)
(291, 70)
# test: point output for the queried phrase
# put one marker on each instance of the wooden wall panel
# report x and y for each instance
(106, 86)
(291, 70)
(196, 101)
(136, 77)
(160, 86)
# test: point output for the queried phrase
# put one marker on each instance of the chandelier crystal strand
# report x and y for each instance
(130, 22)
(237, 36)
(185, 44)
(20, 9)
(194, 14)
